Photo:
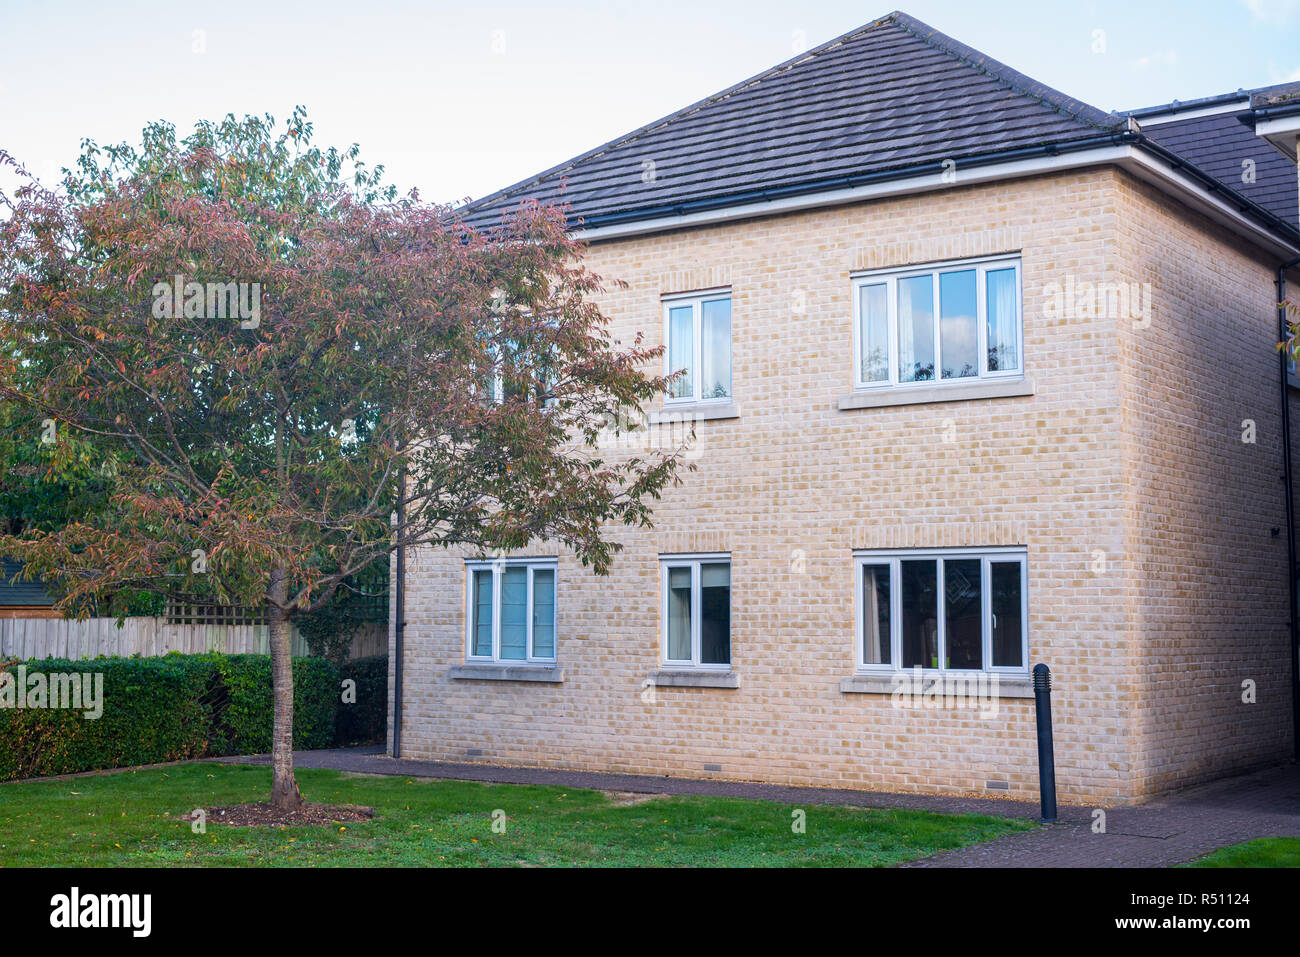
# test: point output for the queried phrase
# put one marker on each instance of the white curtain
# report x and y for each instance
(871, 618)
(1003, 337)
(906, 336)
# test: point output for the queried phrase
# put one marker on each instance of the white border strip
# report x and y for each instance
(1159, 174)
(1281, 134)
(1235, 106)
(854, 194)
(1131, 158)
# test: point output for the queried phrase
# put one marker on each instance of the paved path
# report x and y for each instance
(1169, 831)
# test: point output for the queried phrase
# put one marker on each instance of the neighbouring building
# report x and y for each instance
(981, 377)
(20, 598)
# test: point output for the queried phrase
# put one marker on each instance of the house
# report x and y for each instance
(20, 598)
(981, 377)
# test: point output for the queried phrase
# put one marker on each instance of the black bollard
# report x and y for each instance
(1046, 757)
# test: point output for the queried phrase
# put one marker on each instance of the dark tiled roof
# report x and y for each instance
(21, 592)
(891, 95)
(1218, 144)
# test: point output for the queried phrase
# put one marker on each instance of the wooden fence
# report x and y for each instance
(147, 637)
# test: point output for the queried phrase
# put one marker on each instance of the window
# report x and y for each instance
(518, 374)
(510, 610)
(697, 611)
(937, 325)
(697, 333)
(965, 608)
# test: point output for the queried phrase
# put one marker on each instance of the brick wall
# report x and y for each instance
(794, 484)
(1203, 495)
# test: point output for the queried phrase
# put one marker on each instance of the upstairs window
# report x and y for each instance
(697, 334)
(938, 324)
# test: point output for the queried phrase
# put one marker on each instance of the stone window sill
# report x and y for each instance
(695, 679)
(990, 389)
(694, 412)
(1009, 686)
(544, 673)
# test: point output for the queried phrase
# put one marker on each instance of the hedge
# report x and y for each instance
(243, 704)
(366, 720)
(165, 709)
(154, 709)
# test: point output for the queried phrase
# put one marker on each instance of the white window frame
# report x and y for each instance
(697, 300)
(498, 386)
(498, 567)
(893, 558)
(693, 562)
(890, 278)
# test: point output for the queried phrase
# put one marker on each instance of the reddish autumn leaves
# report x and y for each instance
(258, 342)
(388, 338)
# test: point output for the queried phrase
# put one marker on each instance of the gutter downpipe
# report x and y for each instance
(1293, 589)
(399, 626)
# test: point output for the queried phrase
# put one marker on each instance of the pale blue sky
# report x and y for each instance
(461, 99)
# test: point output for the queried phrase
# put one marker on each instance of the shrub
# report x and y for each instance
(244, 706)
(165, 709)
(154, 709)
(365, 721)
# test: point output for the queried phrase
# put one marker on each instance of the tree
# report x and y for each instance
(44, 482)
(1292, 342)
(270, 353)
(48, 481)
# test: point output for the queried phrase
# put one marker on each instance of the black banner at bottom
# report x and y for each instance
(336, 906)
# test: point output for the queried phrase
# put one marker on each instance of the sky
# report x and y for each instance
(461, 99)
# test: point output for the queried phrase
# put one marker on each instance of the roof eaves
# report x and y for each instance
(1248, 98)
(903, 171)
(1215, 186)
(1182, 106)
(695, 107)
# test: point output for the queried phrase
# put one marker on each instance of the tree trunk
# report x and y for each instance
(284, 789)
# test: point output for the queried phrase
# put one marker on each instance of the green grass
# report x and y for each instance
(1265, 852)
(134, 819)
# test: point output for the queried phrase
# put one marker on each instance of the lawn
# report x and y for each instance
(134, 819)
(1265, 852)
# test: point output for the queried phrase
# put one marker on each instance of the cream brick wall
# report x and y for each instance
(1206, 577)
(793, 485)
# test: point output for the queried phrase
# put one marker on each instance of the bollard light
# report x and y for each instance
(1046, 757)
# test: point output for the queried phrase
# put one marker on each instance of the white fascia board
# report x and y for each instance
(1281, 133)
(884, 189)
(1131, 158)
(1164, 177)
(1234, 106)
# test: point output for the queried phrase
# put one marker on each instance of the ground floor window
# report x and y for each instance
(949, 609)
(510, 610)
(696, 610)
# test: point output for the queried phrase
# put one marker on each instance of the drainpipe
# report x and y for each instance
(399, 626)
(1290, 509)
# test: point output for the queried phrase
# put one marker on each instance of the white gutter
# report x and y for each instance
(1155, 119)
(1130, 158)
(1159, 174)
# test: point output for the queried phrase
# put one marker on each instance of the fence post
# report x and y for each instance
(1046, 757)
